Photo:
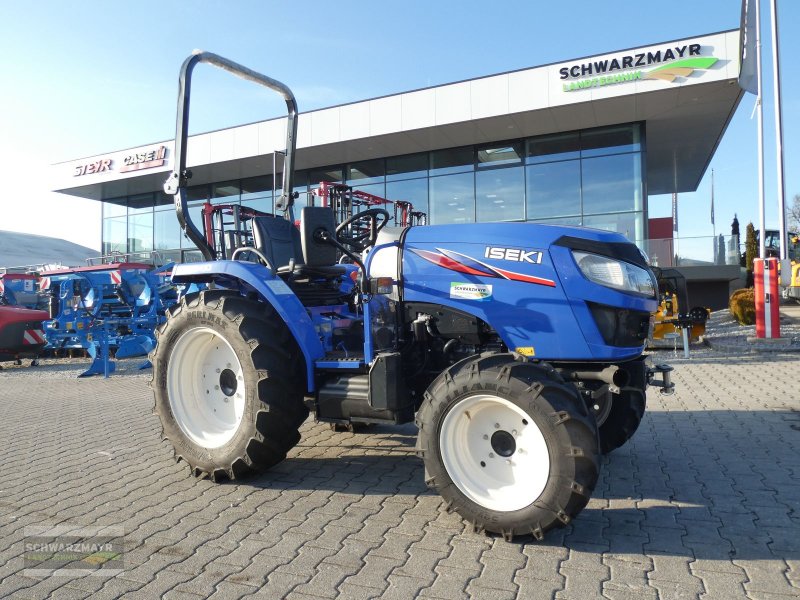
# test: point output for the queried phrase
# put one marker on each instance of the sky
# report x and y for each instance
(86, 78)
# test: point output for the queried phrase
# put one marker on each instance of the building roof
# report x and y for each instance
(24, 249)
(685, 90)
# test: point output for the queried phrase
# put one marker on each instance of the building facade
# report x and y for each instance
(584, 142)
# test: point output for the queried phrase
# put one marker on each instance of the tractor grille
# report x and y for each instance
(620, 327)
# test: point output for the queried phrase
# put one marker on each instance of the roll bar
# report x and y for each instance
(176, 183)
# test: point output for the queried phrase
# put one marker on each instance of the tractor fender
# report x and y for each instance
(252, 277)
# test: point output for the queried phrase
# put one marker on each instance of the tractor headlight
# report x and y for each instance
(616, 274)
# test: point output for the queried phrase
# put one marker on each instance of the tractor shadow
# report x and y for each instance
(690, 483)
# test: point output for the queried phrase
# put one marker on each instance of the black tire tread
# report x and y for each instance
(280, 388)
(627, 411)
(568, 412)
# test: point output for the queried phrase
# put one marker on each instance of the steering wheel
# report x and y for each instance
(376, 219)
(260, 255)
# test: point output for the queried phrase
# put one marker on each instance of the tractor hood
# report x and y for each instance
(523, 279)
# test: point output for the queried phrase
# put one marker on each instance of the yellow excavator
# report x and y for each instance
(793, 289)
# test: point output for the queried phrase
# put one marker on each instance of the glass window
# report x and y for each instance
(115, 234)
(190, 256)
(452, 199)
(164, 200)
(332, 174)
(300, 179)
(262, 204)
(500, 194)
(257, 192)
(197, 192)
(630, 225)
(410, 190)
(301, 187)
(612, 184)
(495, 156)
(548, 148)
(368, 171)
(409, 166)
(168, 256)
(376, 189)
(554, 189)
(452, 160)
(196, 215)
(258, 186)
(571, 221)
(115, 207)
(610, 140)
(166, 231)
(140, 232)
(226, 192)
(139, 203)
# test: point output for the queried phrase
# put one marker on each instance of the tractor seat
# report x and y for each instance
(293, 252)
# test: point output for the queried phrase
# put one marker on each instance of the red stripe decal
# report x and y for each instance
(526, 278)
(454, 265)
(448, 263)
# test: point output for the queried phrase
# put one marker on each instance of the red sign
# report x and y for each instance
(144, 160)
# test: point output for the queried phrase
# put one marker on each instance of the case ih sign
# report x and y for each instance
(144, 160)
(135, 161)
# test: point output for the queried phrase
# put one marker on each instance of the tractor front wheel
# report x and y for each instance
(227, 380)
(508, 445)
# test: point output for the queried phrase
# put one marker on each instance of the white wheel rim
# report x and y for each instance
(206, 387)
(475, 441)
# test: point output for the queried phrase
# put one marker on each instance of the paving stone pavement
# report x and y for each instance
(703, 502)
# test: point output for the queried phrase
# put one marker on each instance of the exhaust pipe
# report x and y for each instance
(611, 375)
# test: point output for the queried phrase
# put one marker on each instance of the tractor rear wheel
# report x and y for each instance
(228, 383)
(508, 445)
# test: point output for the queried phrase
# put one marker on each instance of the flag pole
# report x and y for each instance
(760, 113)
(776, 82)
(712, 204)
(713, 225)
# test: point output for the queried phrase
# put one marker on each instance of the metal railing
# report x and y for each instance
(35, 268)
(152, 257)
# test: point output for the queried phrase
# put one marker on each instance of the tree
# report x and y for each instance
(794, 214)
(750, 247)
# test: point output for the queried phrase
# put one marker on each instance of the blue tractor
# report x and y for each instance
(516, 348)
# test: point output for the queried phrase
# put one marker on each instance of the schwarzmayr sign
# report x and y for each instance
(674, 61)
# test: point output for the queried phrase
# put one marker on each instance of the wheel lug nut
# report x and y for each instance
(486, 437)
(514, 433)
(491, 454)
(497, 425)
(216, 387)
(217, 370)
